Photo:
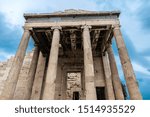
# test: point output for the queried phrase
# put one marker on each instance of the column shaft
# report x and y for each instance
(115, 76)
(12, 79)
(25, 80)
(88, 66)
(49, 87)
(108, 80)
(127, 66)
(38, 80)
(31, 74)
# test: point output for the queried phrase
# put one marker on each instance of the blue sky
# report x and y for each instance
(134, 18)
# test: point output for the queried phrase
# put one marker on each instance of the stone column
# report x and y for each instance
(127, 66)
(49, 87)
(108, 80)
(115, 76)
(31, 74)
(88, 65)
(12, 79)
(26, 77)
(38, 80)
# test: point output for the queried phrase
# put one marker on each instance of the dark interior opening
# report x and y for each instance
(76, 95)
(100, 92)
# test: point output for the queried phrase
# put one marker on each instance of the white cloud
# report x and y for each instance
(137, 67)
(5, 55)
(14, 9)
(139, 37)
(130, 20)
(132, 25)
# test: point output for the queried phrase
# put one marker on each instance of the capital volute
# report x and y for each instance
(56, 27)
(86, 27)
(27, 28)
(117, 26)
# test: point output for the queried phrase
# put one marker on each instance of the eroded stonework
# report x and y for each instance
(5, 68)
(73, 84)
(4, 72)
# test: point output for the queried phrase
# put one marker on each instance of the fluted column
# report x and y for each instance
(25, 81)
(38, 80)
(108, 80)
(49, 88)
(31, 73)
(127, 66)
(115, 76)
(12, 79)
(88, 65)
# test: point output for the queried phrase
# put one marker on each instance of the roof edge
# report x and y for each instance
(76, 13)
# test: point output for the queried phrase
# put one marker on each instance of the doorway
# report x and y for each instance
(100, 92)
(76, 95)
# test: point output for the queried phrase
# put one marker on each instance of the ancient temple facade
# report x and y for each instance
(72, 59)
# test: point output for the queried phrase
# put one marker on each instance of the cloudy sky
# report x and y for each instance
(135, 26)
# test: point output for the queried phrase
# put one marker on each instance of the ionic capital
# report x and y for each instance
(27, 28)
(85, 27)
(117, 26)
(56, 27)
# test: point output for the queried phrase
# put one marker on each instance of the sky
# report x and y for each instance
(134, 19)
